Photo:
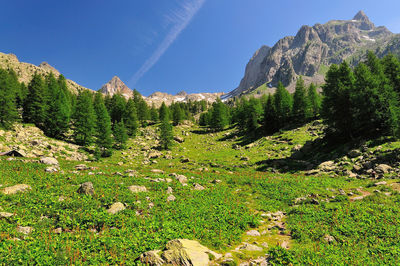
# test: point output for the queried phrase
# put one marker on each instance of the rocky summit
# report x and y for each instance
(114, 86)
(313, 50)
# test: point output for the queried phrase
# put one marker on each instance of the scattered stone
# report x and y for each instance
(26, 230)
(169, 190)
(116, 207)
(185, 160)
(253, 233)
(327, 166)
(51, 170)
(198, 187)
(329, 239)
(383, 169)
(137, 189)
(171, 198)
(81, 167)
(179, 139)
(57, 230)
(354, 153)
(15, 189)
(382, 183)
(250, 247)
(157, 171)
(154, 155)
(5, 215)
(86, 188)
(49, 161)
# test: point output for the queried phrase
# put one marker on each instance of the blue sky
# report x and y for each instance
(164, 45)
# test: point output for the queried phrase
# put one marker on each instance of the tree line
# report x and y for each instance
(86, 118)
(269, 113)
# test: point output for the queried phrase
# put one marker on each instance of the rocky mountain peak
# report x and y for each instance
(115, 85)
(312, 50)
(181, 93)
(47, 66)
(361, 16)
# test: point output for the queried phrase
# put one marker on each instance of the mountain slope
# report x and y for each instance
(25, 71)
(313, 49)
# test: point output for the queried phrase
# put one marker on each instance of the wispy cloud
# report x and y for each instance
(179, 19)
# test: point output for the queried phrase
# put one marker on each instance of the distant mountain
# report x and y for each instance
(313, 50)
(158, 98)
(25, 71)
(115, 85)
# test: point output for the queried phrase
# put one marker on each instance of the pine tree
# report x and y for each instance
(154, 114)
(8, 107)
(270, 117)
(164, 112)
(283, 105)
(253, 113)
(84, 119)
(118, 108)
(103, 127)
(166, 135)
(58, 113)
(336, 105)
(35, 105)
(300, 102)
(177, 114)
(219, 116)
(391, 66)
(62, 84)
(314, 101)
(120, 135)
(131, 119)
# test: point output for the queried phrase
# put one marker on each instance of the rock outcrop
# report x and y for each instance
(180, 252)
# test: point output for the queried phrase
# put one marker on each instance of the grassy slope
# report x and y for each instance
(365, 231)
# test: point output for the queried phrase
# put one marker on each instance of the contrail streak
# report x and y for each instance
(180, 19)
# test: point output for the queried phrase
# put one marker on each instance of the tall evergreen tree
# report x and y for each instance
(120, 135)
(84, 119)
(314, 101)
(270, 117)
(8, 107)
(283, 105)
(103, 127)
(131, 119)
(300, 102)
(177, 114)
(118, 108)
(164, 112)
(219, 116)
(336, 105)
(391, 66)
(166, 134)
(154, 114)
(58, 113)
(35, 105)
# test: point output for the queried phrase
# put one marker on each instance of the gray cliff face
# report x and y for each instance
(313, 49)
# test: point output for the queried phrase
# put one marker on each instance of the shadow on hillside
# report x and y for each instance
(308, 157)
